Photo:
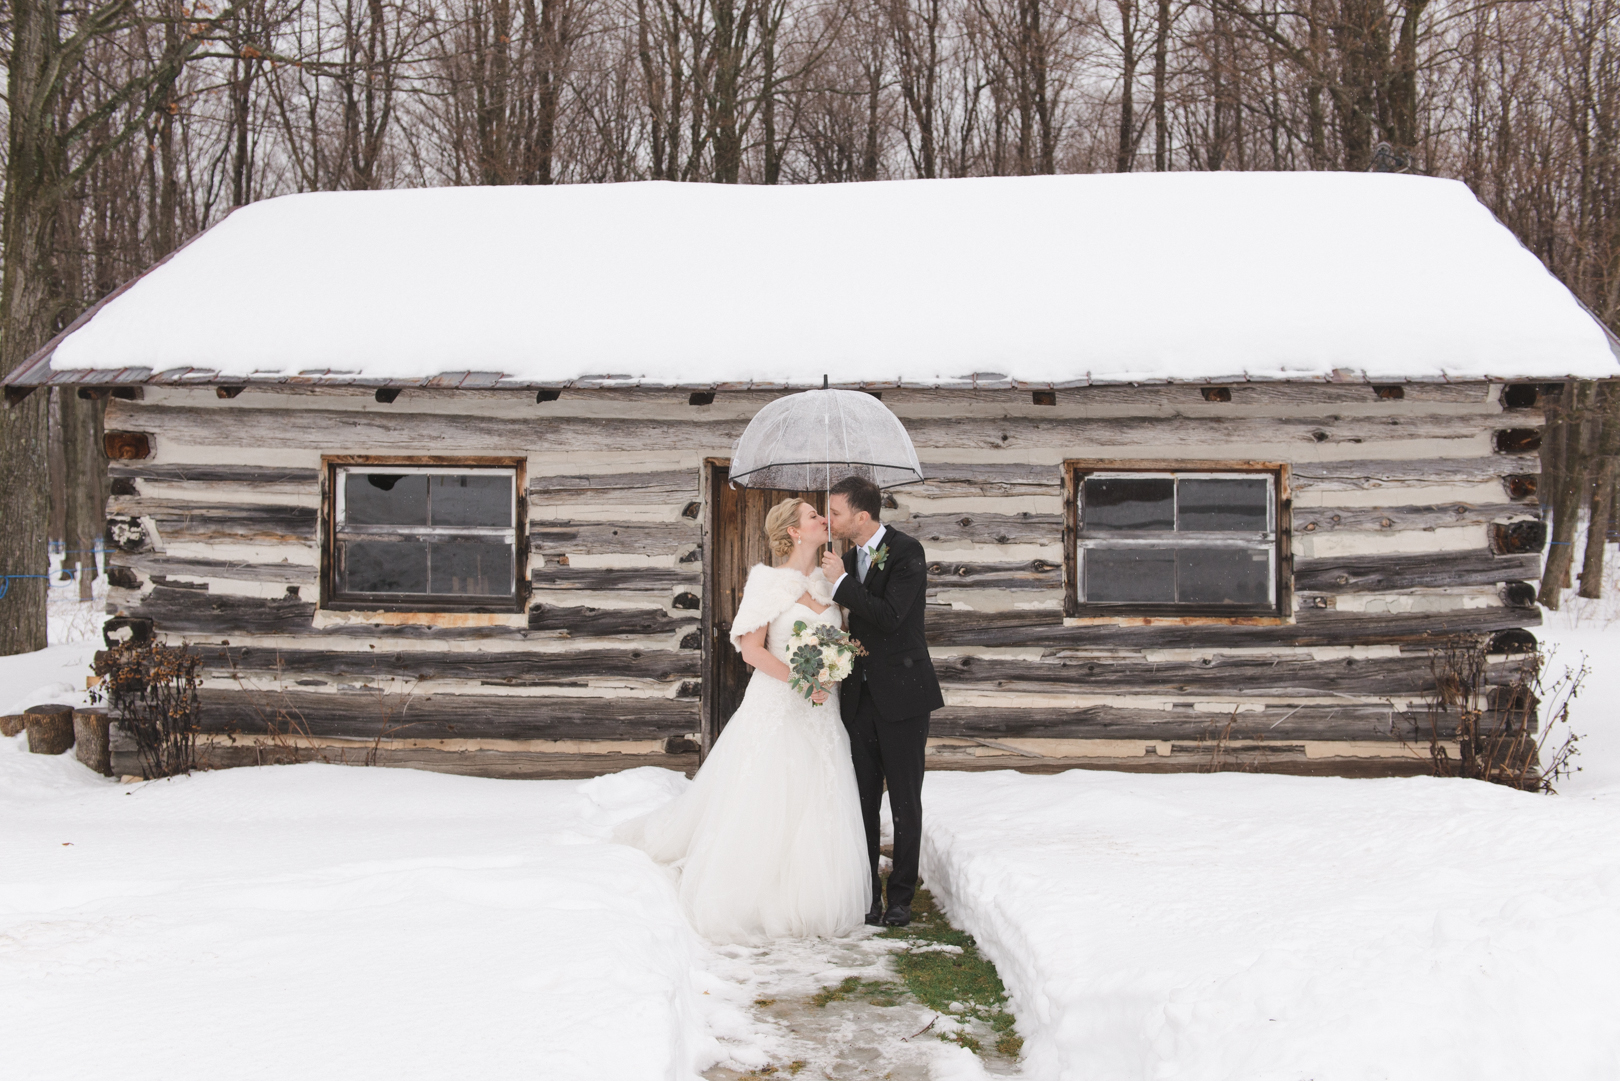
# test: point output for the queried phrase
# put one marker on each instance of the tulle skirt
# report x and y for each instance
(768, 838)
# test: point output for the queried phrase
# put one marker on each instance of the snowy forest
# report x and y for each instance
(224, 106)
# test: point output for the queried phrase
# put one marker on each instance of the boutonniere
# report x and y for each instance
(881, 556)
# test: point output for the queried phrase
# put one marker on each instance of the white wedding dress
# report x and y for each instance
(768, 839)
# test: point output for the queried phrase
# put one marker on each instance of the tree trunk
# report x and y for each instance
(28, 308)
(1161, 126)
(1603, 473)
(1403, 91)
(1566, 428)
(85, 506)
(1126, 150)
(55, 462)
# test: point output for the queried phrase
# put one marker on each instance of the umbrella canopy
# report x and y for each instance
(815, 439)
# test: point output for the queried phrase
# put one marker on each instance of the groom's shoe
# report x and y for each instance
(874, 917)
(897, 916)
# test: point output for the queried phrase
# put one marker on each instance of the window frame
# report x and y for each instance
(332, 498)
(1279, 610)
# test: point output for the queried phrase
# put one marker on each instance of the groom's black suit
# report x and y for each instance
(888, 697)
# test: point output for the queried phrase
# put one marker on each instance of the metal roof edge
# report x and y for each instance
(36, 370)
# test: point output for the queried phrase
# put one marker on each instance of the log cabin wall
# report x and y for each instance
(1411, 517)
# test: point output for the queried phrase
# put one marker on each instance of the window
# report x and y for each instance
(424, 537)
(1174, 542)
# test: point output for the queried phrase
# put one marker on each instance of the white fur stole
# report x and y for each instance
(770, 591)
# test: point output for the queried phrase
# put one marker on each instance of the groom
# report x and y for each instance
(883, 582)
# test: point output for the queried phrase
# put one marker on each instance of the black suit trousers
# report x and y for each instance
(891, 751)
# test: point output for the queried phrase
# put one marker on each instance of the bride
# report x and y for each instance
(768, 838)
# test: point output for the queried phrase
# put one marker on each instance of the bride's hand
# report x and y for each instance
(818, 697)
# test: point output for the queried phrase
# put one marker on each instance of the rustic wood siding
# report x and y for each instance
(1398, 511)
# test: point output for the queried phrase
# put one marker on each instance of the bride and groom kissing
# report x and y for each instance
(777, 836)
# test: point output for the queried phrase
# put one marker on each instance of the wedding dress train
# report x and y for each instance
(768, 838)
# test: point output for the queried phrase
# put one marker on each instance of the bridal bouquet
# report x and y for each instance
(820, 656)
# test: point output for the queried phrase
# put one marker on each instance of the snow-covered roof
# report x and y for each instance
(1037, 280)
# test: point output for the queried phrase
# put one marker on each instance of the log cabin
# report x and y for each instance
(438, 478)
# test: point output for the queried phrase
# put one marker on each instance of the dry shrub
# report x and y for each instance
(1494, 724)
(151, 690)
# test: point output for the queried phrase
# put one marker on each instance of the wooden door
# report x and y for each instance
(735, 542)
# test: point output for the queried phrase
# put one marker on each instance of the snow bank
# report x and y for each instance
(334, 922)
(51, 675)
(1193, 276)
(1241, 926)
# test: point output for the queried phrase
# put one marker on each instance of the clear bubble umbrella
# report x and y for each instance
(818, 437)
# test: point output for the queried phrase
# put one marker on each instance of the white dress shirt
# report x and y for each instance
(871, 545)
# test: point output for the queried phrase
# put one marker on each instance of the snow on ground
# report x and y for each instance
(336, 922)
(1262, 927)
(333, 921)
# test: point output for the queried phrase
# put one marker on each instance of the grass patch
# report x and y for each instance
(956, 975)
(876, 992)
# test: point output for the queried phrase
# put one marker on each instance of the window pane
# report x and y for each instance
(385, 498)
(479, 567)
(1128, 503)
(384, 566)
(478, 499)
(1236, 504)
(1223, 575)
(1130, 574)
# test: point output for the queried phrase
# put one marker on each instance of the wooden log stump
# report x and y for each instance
(90, 740)
(12, 725)
(50, 729)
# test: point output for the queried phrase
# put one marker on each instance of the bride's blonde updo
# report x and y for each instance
(777, 521)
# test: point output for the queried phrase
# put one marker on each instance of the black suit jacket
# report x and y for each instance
(886, 616)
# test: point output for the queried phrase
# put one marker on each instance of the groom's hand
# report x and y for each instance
(831, 565)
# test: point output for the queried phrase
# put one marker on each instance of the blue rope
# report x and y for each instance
(5, 582)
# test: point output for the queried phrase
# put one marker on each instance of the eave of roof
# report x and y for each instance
(37, 372)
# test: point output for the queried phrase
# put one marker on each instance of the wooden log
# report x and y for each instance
(1200, 759)
(362, 715)
(523, 669)
(1189, 395)
(1397, 519)
(200, 473)
(170, 567)
(1305, 721)
(687, 576)
(1038, 574)
(1382, 472)
(90, 740)
(1219, 675)
(1023, 528)
(584, 622)
(657, 487)
(1228, 434)
(510, 765)
(1330, 627)
(221, 521)
(984, 479)
(198, 612)
(1515, 538)
(397, 431)
(50, 728)
(190, 611)
(126, 533)
(554, 538)
(13, 725)
(1382, 574)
